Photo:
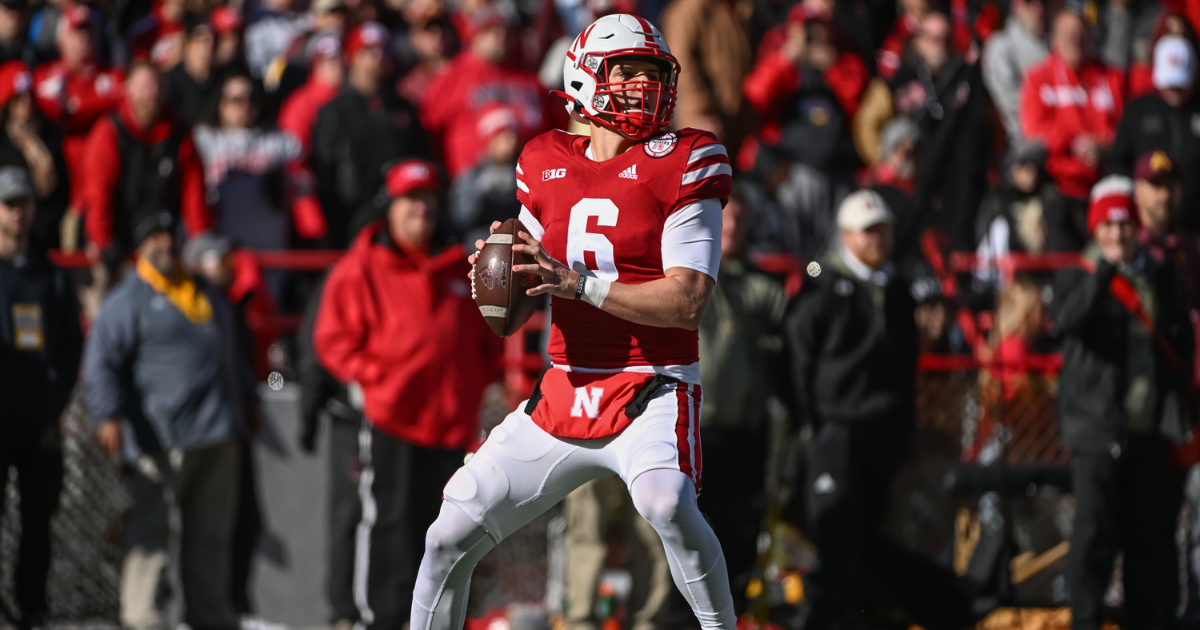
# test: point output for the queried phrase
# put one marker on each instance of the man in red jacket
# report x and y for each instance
(475, 80)
(73, 92)
(1072, 104)
(397, 319)
(139, 162)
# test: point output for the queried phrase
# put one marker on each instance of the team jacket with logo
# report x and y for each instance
(1059, 104)
(607, 219)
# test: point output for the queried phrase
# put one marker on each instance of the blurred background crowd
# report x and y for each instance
(925, 189)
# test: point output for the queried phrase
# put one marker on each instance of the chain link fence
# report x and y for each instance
(86, 531)
(963, 417)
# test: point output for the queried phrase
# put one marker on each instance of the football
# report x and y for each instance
(499, 292)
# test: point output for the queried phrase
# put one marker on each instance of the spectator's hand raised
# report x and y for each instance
(796, 44)
(108, 435)
(1087, 149)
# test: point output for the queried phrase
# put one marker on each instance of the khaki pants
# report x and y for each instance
(588, 512)
(202, 486)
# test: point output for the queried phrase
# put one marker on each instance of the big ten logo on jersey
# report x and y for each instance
(554, 173)
(587, 400)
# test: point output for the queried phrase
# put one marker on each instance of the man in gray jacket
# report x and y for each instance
(1007, 55)
(170, 392)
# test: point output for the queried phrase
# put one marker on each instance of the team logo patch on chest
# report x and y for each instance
(661, 146)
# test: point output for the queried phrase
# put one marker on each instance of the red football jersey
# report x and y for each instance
(608, 218)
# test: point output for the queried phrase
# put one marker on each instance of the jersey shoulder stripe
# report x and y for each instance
(707, 174)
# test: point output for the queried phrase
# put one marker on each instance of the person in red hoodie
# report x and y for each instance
(475, 80)
(140, 161)
(1072, 103)
(297, 116)
(74, 92)
(398, 321)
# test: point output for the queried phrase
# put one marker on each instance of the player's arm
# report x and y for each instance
(676, 301)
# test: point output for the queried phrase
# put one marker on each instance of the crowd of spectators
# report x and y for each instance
(162, 139)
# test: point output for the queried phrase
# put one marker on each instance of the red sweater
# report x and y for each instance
(404, 327)
(1059, 104)
(103, 177)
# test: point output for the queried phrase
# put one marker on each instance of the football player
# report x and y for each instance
(625, 228)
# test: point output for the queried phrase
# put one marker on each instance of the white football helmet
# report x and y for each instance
(637, 109)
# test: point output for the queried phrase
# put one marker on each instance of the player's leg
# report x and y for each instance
(660, 456)
(519, 473)
(667, 499)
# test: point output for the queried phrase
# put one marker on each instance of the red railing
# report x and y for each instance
(522, 365)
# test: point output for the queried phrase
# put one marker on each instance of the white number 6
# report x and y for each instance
(579, 240)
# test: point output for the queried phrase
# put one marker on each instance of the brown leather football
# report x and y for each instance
(499, 292)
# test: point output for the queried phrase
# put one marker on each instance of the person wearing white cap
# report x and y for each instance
(852, 344)
(1167, 120)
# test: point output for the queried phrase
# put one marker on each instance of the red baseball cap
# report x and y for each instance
(325, 45)
(1112, 202)
(75, 16)
(411, 175)
(225, 20)
(14, 80)
(1154, 166)
(366, 35)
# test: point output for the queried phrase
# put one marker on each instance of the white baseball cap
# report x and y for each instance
(1174, 63)
(862, 209)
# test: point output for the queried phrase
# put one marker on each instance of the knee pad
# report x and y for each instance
(661, 504)
(478, 489)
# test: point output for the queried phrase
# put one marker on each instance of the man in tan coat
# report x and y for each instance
(715, 59)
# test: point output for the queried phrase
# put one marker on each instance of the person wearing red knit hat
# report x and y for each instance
(1111, 206)
(29, 142)
(397, 322)
(1123, 402)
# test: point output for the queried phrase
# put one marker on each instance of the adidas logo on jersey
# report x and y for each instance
(629, 173)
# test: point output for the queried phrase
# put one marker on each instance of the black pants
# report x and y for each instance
(345, 512)
(1124, 503)
(246, 531)
(734, 502)
(36, 454)
(850, 470)
(403, 492)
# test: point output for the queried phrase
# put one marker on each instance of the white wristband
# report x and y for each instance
(595, 290)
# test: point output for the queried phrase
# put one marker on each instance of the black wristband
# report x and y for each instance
(579, 287)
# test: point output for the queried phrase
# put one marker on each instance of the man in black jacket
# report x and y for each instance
(40, 348)
(853, 345)
(943, 94)
(1166, 120)
(1122, 402)
(359, 134)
